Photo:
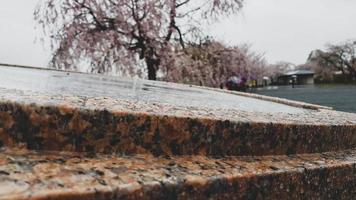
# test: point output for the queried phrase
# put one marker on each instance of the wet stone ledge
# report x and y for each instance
(76, 136)
(39, 175)
(105, 125)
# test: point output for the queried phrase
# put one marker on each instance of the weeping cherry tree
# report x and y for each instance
(124, 34)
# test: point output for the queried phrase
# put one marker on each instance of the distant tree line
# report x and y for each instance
(334, 64)
(337, 63)
(211, 63)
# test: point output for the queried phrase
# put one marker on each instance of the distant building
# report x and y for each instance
(301, 77)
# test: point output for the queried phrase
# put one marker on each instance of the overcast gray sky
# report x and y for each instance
(283, 29)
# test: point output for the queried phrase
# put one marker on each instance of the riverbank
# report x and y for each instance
(340, 97)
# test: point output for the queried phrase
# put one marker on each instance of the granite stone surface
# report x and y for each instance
(105, 125)
(39, 175)
(113, 139)
(91, 85)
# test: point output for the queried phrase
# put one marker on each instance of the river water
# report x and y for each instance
(340, 97)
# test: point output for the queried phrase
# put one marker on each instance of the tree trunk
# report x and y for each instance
(353, 76)
(152, 66)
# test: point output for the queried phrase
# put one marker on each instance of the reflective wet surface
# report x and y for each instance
(89, 85)
(340, 97)
(76, 136)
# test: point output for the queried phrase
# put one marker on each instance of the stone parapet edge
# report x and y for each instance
(309, 176)
(298, 104)
(256, 96)
(80, 129)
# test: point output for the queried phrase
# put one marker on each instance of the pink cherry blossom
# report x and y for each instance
(124, 35)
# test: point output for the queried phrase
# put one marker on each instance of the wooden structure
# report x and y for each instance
(299, 77)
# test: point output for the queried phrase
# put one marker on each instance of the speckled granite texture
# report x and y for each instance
(32, 175)
(63, 145)
(106, 125)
